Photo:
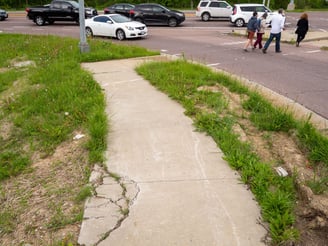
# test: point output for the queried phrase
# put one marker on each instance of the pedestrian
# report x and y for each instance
(277, 25)
(302, 28)
(261, 25)
(251, 29)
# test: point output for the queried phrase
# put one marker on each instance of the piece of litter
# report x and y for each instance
(282, 172)
(66, 113)
(78, 136)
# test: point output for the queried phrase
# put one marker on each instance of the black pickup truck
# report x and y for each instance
(57, 10)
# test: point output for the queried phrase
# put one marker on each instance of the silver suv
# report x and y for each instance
(208, 9)
(241, 13)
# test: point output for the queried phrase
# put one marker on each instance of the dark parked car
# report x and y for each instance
(156, 14)
(57, 10)
(119, 8)
(90, 12)
(3, 14)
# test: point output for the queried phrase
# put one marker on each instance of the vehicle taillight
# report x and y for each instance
(27, 9)
(234, 11)
(131, 12)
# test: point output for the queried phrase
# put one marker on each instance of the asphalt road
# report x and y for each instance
(300, 73)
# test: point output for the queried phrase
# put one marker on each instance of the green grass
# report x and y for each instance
(315, 143)
(53, 98)
(60, 218)
(41, 106)
(84, 193)
(319, 185)
(276, 195)
(267, 117)
(7, 222)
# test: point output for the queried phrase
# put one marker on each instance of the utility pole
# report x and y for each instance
(268, 4)
(291, 5)
(84, 47)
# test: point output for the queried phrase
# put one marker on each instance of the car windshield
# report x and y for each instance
(75, 4)
(120, 18)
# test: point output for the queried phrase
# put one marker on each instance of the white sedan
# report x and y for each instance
(114, 25)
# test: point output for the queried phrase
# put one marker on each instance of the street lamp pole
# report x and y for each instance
(84, 47)
(291, 5)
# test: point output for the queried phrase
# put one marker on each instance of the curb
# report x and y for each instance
(287, 37)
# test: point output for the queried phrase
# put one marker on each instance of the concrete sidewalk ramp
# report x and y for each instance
(175, 189)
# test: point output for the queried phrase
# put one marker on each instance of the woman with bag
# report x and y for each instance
(302, 28)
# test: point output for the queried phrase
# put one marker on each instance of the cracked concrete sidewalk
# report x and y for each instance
(173, 186)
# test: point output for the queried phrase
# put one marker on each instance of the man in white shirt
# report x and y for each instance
(277, 25)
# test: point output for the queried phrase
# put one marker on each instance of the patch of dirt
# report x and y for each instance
(5, 129)
(41, 203)
(282, 149)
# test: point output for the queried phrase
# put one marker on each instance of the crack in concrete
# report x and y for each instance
(123, 208)
(109, 206)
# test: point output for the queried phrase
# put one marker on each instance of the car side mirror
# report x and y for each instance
(109, 22)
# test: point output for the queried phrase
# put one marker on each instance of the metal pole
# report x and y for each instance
(291, 5)
(84, 47)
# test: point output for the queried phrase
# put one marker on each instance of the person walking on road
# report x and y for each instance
(302, 28)
(277, 25)
(251, 29)
(261, 30)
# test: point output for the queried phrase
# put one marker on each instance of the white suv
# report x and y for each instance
(207, 9)
(241, 13)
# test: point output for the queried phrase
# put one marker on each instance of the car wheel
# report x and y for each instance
(139, 20)
(120, 34)
(173, 22)
(206, 17)
(88, 32)
(240, 23)
(39, 20)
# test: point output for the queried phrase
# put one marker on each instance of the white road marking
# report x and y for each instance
(208, 27)
(233, 43)
(18, 27)
(323, 30)
(313, 51)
